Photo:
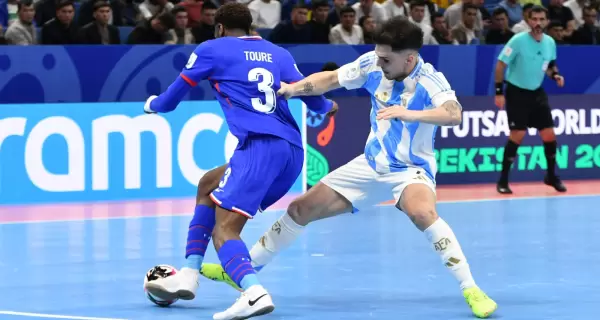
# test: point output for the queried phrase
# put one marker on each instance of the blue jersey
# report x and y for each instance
(245, 74)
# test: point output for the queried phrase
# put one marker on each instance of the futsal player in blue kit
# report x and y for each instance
(245, 72)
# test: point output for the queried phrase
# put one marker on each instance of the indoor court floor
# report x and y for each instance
(535, 254)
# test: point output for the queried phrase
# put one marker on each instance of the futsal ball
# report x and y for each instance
(158, 272)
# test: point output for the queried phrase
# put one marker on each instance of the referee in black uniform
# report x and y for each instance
(529, 56)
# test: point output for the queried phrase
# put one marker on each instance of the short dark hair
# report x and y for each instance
(436, 15)
(208, 5)
(101, 4)
(24, 3)
(177, 9)
(400, 34)
(64, 3)
(417, 3)
(589, 8)
(537, 9)
(234, 15)
(347, 9)
(528, 6)
(319, 4)
(166, 19)
(362, 20)
(467, 6)
(499, 11)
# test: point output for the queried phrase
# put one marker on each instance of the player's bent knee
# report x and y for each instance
(208, 183)
(423, 216)
(299, 212)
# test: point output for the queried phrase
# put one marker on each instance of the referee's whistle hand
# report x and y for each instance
(499, 101)
(560, 81)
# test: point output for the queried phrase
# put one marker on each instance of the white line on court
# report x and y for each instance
(52, 316)
(568, 196)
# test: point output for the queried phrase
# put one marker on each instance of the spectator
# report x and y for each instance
(558, 12)
(440, 33)
(396, 8)
(45, 10)
(453, 14)
(466, 32)
(367, 23)
(61, 30)
(297, 30)
(370, 8)
(576, 7)
(417, 16)
(430, 9)
(151, 8)
(500, 32)
(99, 31)
(181, 34)
(117, 9)
(194, 11)
(22, 31)
(206, 29)
(347, 31)
(588, 33)
(333, 19)
(318, 25)
(153, 31)
(523, 26)
(265, 13)
(513, 10)
(557, 31)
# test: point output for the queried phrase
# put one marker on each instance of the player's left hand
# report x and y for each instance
(560, 81)
(395, 112)
(333, 110)
(147, 108)
(285, 90)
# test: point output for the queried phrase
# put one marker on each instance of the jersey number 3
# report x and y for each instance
(265, 86)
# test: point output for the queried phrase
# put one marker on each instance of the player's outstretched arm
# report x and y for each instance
(313, 85)
(448, 113)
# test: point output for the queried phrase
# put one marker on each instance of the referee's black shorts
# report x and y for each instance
(527, 108)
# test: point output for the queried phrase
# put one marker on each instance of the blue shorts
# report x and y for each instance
(261, 171)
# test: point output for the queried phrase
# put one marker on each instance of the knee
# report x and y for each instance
(423, 216)
(299, 212)
(517, 136)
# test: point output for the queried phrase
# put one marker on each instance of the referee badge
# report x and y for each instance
(507, 51)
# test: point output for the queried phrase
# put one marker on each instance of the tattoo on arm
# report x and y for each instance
(308, 87)
(454, 109)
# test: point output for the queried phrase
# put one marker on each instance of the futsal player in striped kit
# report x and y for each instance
(527, 58)
(410, 99)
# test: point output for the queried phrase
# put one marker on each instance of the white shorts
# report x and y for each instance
(364, 187)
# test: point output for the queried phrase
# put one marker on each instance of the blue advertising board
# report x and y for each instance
(112, 151)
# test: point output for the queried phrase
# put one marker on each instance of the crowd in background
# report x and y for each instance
(27, 22)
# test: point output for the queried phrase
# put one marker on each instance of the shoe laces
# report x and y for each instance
(478, 296)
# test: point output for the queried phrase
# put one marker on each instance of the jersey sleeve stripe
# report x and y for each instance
(188, 80)
(435, 82)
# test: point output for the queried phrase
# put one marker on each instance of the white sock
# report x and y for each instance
(283, 232)
(444, 242)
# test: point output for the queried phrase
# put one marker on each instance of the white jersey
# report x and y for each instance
(393, 145)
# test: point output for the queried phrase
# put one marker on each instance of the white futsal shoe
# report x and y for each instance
(255, 301)
(182, 285)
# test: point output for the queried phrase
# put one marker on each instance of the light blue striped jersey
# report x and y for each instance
(394, 145)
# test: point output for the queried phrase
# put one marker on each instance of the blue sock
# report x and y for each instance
(199, 235)
(235, 259)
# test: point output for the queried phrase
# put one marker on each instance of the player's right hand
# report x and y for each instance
(500, 101)
(147, 108)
